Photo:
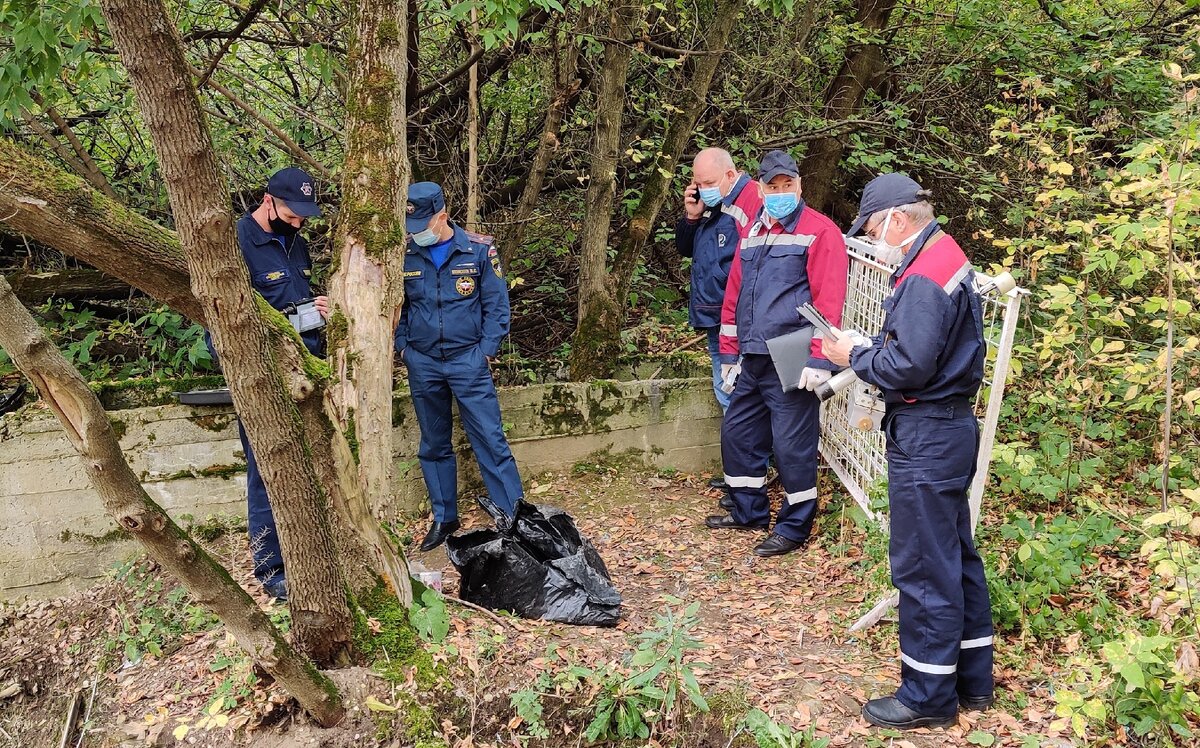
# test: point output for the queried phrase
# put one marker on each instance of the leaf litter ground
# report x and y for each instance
(774, 635)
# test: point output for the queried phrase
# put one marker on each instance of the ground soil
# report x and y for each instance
(774, 636)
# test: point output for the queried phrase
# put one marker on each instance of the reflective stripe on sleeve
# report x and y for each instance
(957, 278)
(729, 331)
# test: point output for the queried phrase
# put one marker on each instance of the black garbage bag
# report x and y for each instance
(535, 565)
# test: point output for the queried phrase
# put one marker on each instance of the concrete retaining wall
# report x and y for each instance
(55, 536)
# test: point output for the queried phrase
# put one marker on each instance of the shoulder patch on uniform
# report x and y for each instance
(496, 265)
(492, 251)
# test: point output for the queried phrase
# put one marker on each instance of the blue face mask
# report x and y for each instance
(780, 204)
(710, 196)
(426, 238)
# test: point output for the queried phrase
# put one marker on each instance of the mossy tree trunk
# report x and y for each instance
(60, 211)
(90, 432)
(597, 344)
(860, 69)
(263, 386)
(368, 285)
(594, 346)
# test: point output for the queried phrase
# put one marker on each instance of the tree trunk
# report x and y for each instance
(368, 285)
(603, 297)
(73, 285)
(87, 426)
(61, 211)
(843, 98)
(566, 89)
(152, 53)
(597, 313)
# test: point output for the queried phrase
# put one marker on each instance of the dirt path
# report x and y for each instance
(774, 636)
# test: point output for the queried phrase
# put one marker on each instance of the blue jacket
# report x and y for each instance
(931, 347)
(781, 265)
(711, 241)
(464, 303)
(279, 270)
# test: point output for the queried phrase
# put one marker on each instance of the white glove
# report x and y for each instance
(811, 379)
(729, 376)
(859, 340)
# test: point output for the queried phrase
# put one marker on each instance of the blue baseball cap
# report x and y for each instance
(776, 163)
(886, 191)
(425, 200)
(295, 188)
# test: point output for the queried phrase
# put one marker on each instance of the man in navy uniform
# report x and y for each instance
(454, 317)
(928, 361)
(718, 207)
(791, 255)
(277, 258)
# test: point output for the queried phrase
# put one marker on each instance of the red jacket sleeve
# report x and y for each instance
(728, 333)
(828, 267)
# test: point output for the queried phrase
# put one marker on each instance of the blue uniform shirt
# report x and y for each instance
(931, 347)
(711, 241)
(463, 303)
(279, 270)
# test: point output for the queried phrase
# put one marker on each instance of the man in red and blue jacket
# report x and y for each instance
(791, 255)
(928, 361)
(718, 208)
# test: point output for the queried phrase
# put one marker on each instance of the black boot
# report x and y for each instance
(727, 522)
(777, 545)
(727, 503)
(890, 712)
(438, 532)
(719, 483)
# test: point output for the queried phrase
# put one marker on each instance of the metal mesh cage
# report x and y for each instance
(851, 443)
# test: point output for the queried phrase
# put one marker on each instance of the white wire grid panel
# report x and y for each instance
(850, 443)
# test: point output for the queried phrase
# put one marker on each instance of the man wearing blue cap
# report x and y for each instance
(928, 361)
(277, 258)
(791, 255)
(454, 317)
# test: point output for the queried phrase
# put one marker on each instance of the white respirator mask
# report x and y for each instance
(891, 254)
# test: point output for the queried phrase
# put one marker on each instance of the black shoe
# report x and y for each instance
(277, 589)
(438, 532)
(889, 712)
(718, 483)
(727, 522)
(777, 545)
(727, 503)
(976, 703)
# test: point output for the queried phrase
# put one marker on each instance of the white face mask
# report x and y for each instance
(891, 254)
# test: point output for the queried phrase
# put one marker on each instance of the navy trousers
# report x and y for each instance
(465, 377)
(761, 418)
(264, 541)
(945, 612)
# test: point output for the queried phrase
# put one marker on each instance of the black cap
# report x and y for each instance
(425, 200)
(776, 163)
(883, 192)
(294, 187)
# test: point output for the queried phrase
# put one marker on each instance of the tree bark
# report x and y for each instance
(72, 285)
(566, 88)
(88, 428)
(861, 64)
(368, 284)
(603, 294)
(59, 210)
(152, 52)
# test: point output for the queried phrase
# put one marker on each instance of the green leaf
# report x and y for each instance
(979, 737)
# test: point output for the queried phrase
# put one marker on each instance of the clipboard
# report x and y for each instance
(789, 354)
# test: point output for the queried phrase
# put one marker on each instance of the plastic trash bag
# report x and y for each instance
(535, 565)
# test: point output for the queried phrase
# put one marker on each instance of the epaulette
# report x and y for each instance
(480, 238)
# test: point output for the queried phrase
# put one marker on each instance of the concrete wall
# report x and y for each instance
(55, 536)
